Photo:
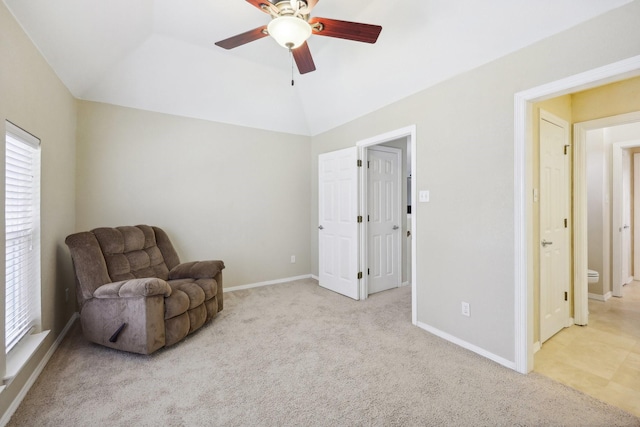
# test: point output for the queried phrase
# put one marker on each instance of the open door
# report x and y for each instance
(384, 222)
(555, 267)
(338, 221)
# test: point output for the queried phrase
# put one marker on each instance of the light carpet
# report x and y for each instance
(295, 354)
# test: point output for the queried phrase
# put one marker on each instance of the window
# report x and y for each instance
(22, 238)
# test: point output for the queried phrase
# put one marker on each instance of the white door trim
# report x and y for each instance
(410, 133)
(523, 203)
(636, 216)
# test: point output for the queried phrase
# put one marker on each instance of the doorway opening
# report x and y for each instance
(607, 184)
(601, 352)
(523, 206)
(405, 140)
(343, 230)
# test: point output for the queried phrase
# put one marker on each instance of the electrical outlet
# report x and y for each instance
(465, 309)
(293, 259)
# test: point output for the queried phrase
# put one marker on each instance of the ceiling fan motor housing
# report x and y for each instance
(297, 8)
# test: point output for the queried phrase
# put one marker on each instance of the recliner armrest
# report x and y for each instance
(196, 270)
(146, 287)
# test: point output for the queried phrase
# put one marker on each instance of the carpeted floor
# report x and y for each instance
(295, 354)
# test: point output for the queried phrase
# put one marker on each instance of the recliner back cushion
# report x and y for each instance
(131, 253)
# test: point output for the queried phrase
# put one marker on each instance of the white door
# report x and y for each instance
(338, 225)
(626, 217)
(554, 231)
(384, 222)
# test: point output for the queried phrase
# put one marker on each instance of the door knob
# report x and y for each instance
(395, 227)
(626, 226)
(320, 228)
(545, 243)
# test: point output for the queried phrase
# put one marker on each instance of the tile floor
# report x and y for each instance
(603, 358)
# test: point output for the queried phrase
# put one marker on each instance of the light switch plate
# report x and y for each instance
(424, 196)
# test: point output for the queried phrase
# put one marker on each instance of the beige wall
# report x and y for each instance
(605, 101)
(465, 139)
(32, 97)
(220, 191)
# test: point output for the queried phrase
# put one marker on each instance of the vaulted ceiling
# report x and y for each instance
(159, 55)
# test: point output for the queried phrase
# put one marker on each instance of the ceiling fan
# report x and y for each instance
(291, 25)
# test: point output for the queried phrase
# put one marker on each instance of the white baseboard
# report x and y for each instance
(313, 276)
(599, 297)
(464, 344)
(36, 373)
(268, 283)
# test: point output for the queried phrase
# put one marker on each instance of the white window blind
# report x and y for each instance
(22, 228)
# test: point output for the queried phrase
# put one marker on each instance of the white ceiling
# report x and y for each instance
(159, 55)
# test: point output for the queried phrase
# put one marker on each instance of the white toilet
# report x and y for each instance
(593, 276)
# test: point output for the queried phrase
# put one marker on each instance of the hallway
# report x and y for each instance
(603, 358)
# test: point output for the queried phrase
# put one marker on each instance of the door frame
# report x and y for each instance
(625, 168)
(617, 249)
(408, 132)
(523, 203)
(365, 204)
(580, 131)
(636, 215)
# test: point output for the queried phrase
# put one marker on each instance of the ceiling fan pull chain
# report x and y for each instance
(291, 54)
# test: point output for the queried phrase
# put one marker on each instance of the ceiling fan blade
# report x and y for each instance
(346, 30)
(244, 38)
(264, 6)
(303, 58)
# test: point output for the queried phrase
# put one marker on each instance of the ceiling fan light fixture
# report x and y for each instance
(290, 32)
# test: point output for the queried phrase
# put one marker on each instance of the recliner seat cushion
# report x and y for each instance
(176, 304)
(208, 286)
(193, 291)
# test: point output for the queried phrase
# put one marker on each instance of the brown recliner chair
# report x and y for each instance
(133, 292)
